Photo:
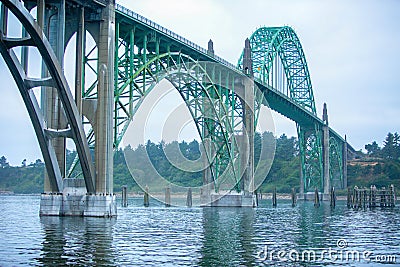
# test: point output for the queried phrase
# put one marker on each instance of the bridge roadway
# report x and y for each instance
(275, 99)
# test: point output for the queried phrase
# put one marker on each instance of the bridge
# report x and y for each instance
(132, 54)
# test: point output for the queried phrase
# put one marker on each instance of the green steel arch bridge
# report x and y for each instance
(131, 55)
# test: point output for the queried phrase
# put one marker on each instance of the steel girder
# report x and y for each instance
(336, 162)
(140, 66)
(279, 62)
(212, 106)
(36, 38)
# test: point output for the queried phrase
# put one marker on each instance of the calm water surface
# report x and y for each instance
(158, 236)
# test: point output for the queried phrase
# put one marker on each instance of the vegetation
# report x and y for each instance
(379, 166)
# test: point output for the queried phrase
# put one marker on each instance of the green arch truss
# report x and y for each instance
(279, 62)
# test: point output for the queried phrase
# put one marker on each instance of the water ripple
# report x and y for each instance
(159, 236)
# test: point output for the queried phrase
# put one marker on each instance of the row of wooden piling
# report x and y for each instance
(356, 197)
(371, 197)
(146, 197)
(293, 197)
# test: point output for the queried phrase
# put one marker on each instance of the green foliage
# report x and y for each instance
(373, 149)
(22, 180)
(285, 170)
(380, 167)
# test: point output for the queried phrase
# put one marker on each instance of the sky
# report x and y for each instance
(351, 47)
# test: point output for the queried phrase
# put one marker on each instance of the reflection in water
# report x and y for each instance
(77, 240)
(227, 237)
(176, 236)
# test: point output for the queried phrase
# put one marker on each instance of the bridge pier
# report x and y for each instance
(247, 195)
(75, 201)
(344, 164)
(76, 198)
(325, 153)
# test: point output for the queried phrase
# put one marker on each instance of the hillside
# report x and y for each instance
(380, 166)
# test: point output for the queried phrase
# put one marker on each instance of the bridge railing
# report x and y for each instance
(171, 34)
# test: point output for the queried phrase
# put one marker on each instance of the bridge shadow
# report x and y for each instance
(77, 241)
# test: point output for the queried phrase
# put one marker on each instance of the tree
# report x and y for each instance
(3, 162)
(285, 147)
(390, 149)
(373, 149)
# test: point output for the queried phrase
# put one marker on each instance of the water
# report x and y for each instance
(161, 236)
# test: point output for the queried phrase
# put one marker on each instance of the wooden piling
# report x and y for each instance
(124, 196)
(257, 196)
(146, 202)
(392, 196)
(294, 197)
(167, 196)
(371, 197)
(274, 198)
(316, 198)
(333, 197)
(349, 197)
(189, 200)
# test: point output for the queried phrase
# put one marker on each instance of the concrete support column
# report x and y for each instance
(40, 12)
(105, 102)
(208, 184)
(249, 143)
(248, 119)
(53, 22)
(325, 145)
(344, 164)
(80, 50)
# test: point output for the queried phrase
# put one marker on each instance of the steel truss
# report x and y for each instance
(279, 62)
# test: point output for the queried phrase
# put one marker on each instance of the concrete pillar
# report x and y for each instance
(210, 49)
(247, 60)
(80, 50)
(105, 102)
(248, 119)
(325, 145)
(4, 19)
(40, 12)
(344, 164)
(208, 184)
(53, 113)
(249, 129)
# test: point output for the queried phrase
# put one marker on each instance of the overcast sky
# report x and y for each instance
(352, 49)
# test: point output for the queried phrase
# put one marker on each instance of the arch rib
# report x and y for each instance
(38, 39)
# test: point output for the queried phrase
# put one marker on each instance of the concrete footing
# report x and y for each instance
(78, 205)
(74, 201)
(228, 200)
